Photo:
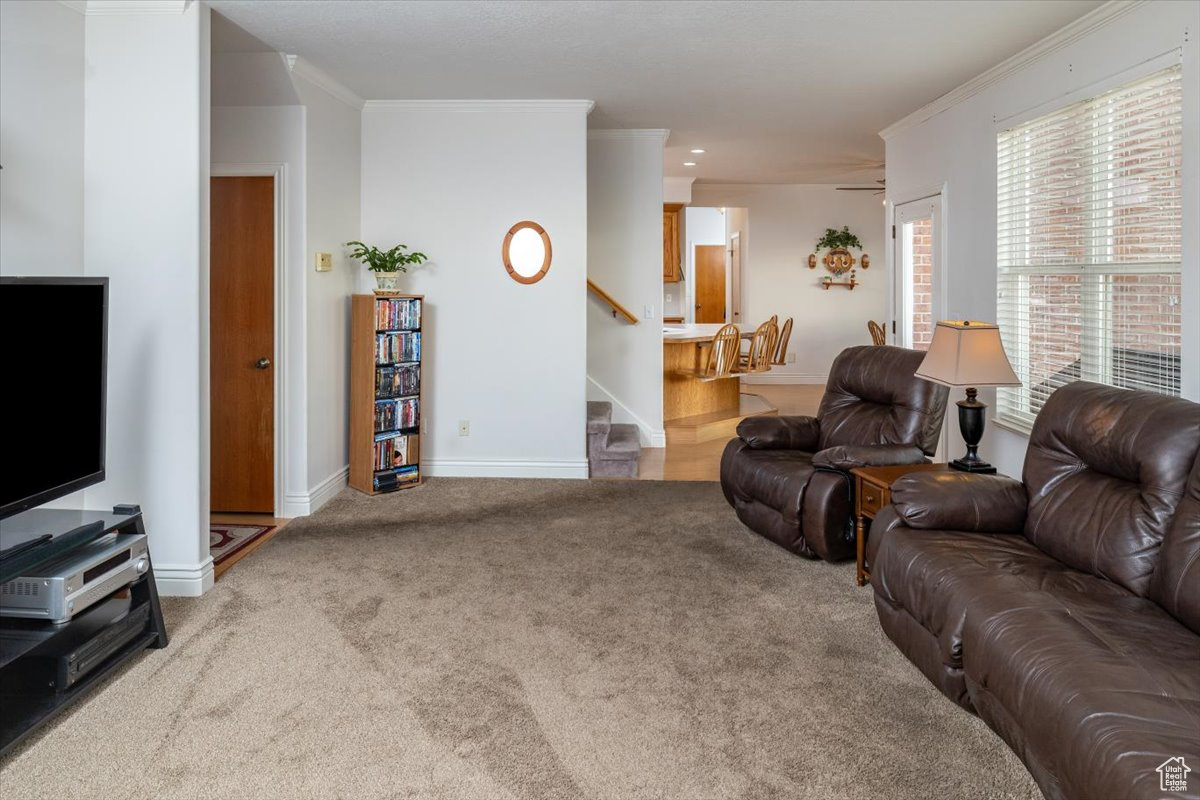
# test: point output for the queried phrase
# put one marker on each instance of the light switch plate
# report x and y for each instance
(324, 262)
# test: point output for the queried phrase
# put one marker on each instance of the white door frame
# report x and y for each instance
(935, 202)
(934, 198)
(280, 356)
(733, 280)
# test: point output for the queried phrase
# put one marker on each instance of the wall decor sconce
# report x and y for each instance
(526, 252)
(838, 260)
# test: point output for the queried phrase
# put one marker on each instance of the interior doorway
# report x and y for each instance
(710, 283)
(918, 272)
(919, 283)
(242, 344)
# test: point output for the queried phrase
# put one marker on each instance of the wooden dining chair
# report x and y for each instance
(722, 358)
(878, 335)
(774, 318)
(762, 348)
(785, 333)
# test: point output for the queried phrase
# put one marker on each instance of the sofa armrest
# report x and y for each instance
(960, 501)
(847, 457)
(780, 433)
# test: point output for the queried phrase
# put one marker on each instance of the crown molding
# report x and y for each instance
(94, 8)
(322, 80)
(656, 134)
(584, 106)
(1069, 34)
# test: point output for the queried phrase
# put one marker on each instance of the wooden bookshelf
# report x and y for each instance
(386, 391)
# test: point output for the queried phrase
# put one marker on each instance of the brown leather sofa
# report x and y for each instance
(1063, 609)
(787, 477)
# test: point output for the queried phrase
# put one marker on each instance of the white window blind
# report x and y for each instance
(1089, 229)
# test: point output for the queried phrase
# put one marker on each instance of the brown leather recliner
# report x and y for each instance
(788, 477)
(1064, 609)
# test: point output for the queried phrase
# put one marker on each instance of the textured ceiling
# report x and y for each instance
(782, 92)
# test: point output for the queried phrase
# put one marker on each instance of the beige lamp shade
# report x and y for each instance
(967, 353)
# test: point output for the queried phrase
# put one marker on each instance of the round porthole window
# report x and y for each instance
(526, 252)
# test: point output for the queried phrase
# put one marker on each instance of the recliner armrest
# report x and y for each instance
(847, 457)
(780, 433)
(961, 501)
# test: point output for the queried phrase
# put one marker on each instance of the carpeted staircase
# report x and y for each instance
(613, 450)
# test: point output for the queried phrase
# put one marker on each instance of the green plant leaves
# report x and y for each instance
(393, 260)
(834, 239)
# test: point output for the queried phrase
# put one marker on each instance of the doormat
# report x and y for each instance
(225, 540)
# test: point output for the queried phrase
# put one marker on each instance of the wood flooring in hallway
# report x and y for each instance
(702, 462)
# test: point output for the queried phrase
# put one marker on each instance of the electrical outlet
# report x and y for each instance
(324, 262)
(667, 298)
(464, 427)
(649, 311)
(790, 358)
(424, 425)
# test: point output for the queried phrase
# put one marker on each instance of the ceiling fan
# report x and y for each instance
(882, 188)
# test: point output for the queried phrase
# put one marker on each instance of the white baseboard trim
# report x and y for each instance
(301, 505)
(182, 580)
(650, 437)
(808, 379)
(488, 468)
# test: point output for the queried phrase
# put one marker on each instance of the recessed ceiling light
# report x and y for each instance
(697, 151)
(689, 163)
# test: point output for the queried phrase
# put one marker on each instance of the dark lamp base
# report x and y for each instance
(970, 422)
(980, 467)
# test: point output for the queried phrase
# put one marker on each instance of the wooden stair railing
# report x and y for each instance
(616, 307)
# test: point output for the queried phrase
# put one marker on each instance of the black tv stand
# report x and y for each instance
(35, 685)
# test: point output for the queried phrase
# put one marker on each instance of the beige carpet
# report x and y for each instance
(492, 639)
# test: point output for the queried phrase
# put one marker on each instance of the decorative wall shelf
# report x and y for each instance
(850, 284)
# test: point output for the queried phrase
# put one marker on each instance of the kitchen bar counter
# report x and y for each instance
(694, 410)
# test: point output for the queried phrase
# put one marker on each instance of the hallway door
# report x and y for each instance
(710, 283)
(242, 344)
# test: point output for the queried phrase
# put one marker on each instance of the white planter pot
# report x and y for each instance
(387, 281)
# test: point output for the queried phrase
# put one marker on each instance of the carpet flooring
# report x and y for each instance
(496, 639)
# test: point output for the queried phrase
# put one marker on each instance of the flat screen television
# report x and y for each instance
(53, 363)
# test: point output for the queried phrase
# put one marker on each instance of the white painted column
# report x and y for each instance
(146, 228)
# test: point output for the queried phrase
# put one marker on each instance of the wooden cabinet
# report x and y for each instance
(672, 267)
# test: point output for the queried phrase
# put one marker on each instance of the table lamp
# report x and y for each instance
(968, 354)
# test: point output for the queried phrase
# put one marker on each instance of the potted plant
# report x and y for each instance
(838, 259)
(386, 263)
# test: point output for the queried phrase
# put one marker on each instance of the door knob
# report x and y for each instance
(262, 363)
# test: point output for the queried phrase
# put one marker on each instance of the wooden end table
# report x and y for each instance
(873, 492)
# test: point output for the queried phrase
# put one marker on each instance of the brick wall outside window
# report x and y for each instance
(922, 277)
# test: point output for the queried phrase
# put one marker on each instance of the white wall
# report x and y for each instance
(510, 358)
(782, 226)
(145, 226)
(41, 139)
(624, 257)
(956, 146)
(333, 142)
(254, 139)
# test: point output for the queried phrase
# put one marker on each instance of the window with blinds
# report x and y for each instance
(1089, 230)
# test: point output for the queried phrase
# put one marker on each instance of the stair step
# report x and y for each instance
(623, 442)
(599, 417)
(622, 468)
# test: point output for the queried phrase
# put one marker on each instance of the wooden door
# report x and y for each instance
(242, 344)
(710, 283)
